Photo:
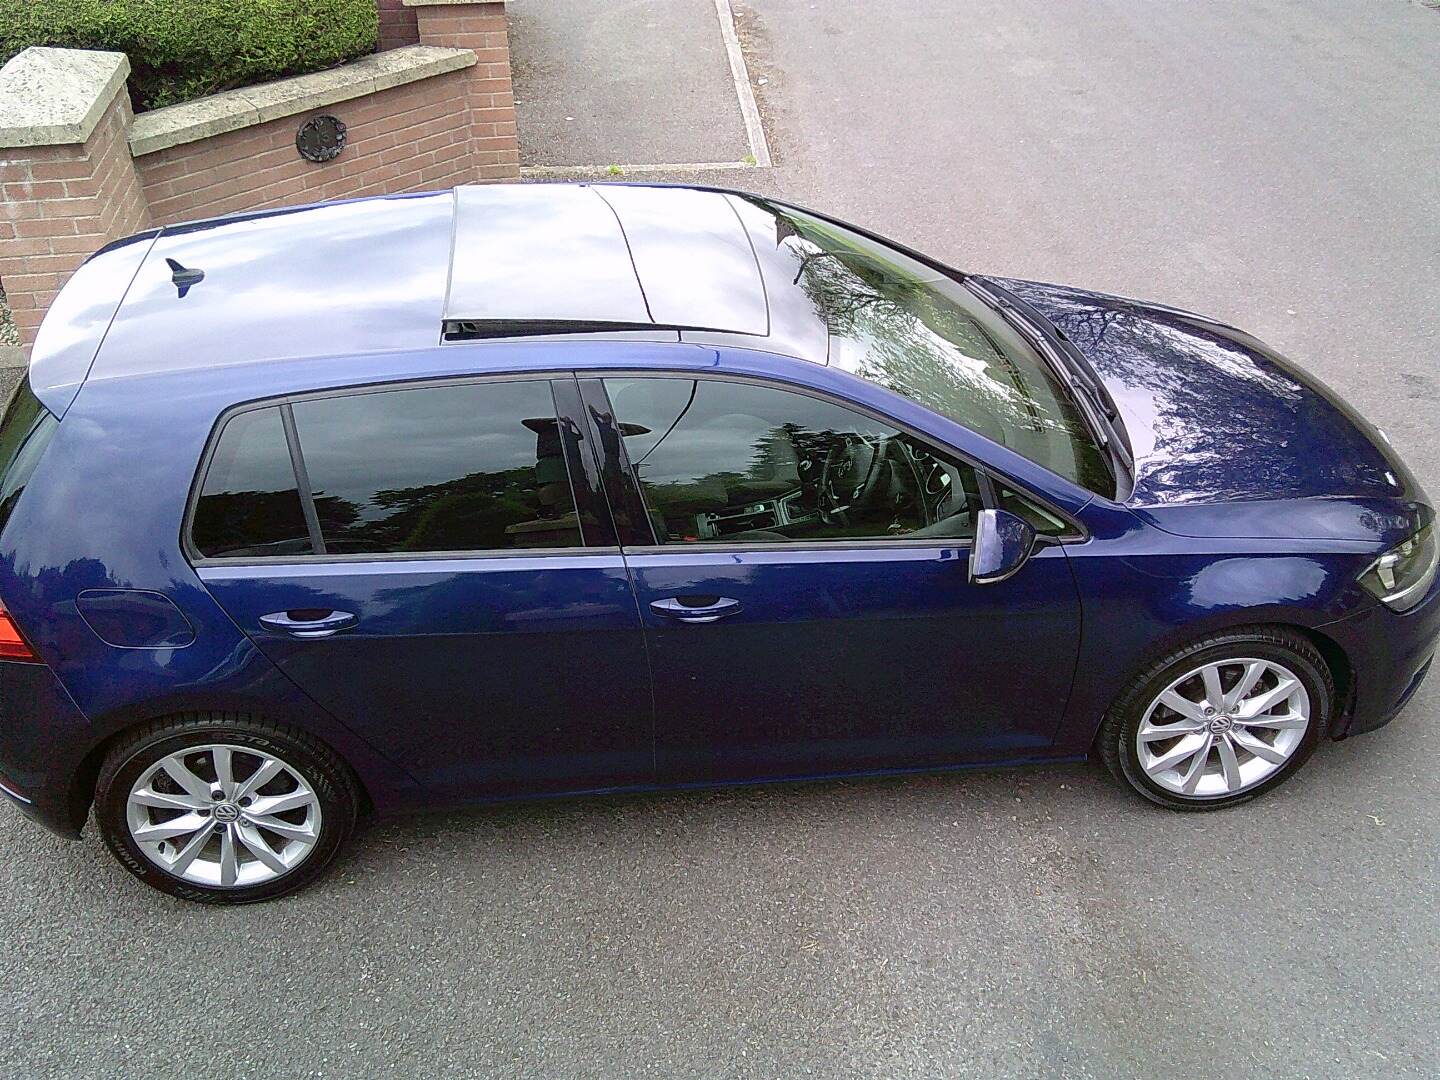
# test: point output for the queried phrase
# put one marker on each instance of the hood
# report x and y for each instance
(1215, 416)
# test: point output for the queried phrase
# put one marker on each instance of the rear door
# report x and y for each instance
(806, 593)
(434, 564)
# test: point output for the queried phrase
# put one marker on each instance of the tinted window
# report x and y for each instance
(738, 462)
(452, 468)
(1044, 522)
(249, 505)
(901, 324)
(24, 434)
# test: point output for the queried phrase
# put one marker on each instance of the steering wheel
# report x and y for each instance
(853, 471)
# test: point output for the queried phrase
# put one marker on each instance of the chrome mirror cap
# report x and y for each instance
(1003, 541)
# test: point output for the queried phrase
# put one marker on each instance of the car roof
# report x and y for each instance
(404, 272)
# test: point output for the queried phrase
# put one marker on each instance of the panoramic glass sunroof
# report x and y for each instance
(542, 258)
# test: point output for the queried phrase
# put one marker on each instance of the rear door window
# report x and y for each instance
(452, 468)
(468, 467)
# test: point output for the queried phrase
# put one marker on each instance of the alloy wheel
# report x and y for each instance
(223, 815)
(1223, 727)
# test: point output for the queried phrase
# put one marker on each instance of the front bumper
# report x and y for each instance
(1390, 655)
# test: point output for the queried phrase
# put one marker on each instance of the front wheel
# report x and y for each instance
(1220, 721)
(223, 809)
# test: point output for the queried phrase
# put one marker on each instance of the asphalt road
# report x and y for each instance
(1274, 164)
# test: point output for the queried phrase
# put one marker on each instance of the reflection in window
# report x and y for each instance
(249, 506)
(907, 327)
(449, 468)
(25, 432)
(1044, 522)
(737, 462)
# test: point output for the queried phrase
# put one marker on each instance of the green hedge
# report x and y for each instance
(182, 49)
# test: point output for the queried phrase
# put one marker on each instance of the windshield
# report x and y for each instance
(897, 322)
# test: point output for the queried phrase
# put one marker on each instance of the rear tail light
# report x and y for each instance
(13, 645)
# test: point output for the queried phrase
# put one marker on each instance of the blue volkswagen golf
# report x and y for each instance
(515, 491)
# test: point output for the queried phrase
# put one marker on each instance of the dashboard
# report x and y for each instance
(918, 491)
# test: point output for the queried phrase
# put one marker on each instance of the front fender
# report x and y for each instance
(1145, 592)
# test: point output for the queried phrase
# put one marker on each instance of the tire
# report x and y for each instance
(141, 791)
(1225, 778)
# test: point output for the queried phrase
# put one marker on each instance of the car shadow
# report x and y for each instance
(568, 821)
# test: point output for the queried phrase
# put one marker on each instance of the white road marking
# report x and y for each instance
(754, 129)
(749, 112)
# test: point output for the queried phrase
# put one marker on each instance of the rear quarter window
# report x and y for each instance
(25, 432)
(249, 505)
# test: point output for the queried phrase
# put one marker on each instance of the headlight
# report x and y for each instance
(1402, 576)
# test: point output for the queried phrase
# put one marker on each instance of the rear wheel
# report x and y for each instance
(1220, 721)
(222, 809)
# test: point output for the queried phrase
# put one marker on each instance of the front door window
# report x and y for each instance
(736, 462)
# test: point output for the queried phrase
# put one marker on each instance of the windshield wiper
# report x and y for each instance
(1073, 370)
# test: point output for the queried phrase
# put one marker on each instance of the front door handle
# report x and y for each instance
(695, 609)
(308, 623)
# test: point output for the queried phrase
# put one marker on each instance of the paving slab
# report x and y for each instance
(601, 82)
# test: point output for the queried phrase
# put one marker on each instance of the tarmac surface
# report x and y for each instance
(1274, 164)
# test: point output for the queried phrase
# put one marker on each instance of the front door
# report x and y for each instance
(434, 565)
(807, 601)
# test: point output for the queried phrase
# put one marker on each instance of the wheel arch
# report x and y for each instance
(1342, 674)
(1337, 660)
(87, 772)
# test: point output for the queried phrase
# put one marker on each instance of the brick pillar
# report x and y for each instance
(397, 24)
(460, 24)
(68, 179)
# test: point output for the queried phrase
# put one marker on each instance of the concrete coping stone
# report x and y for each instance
(55, 97)
(12, 356)
(446, 3)
(232, 110)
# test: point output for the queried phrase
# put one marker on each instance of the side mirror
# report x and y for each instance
(1003, 542)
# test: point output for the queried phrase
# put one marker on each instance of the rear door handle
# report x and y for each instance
(686, 609)
(308, 623)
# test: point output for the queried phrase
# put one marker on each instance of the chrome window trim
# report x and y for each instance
(848, 544)
(196, 559)
(482, 555)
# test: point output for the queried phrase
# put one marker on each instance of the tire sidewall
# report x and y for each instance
(1137, 701)
(337, 809)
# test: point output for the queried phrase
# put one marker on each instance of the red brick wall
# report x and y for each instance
(60, 204)
(481, 27)
(63, 202)
(409, 138)
(397, 25)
